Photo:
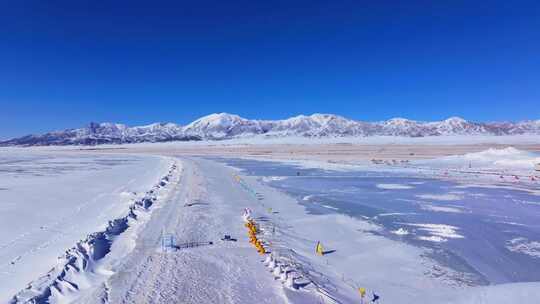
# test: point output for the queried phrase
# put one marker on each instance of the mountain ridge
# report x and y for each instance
(219, 126)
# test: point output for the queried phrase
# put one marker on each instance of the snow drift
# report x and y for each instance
(507, 158)
(71, 272)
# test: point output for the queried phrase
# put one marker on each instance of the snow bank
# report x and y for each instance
(79, 265)
(393, 186)
(441, 209)
(52, 200)
(273, 178)
(440, 197)
(507, 158)
(508, 167)
(369, 140)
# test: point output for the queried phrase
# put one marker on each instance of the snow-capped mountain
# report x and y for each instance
(225, 126)
(450, 126)
(104, 133)
(318, 125)
(402, 127)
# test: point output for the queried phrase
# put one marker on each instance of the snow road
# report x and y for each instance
(225, 272)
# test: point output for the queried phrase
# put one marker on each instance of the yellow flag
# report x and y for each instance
(319, 249)
(362, 291)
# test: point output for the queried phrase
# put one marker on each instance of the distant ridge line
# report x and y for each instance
(221, 126)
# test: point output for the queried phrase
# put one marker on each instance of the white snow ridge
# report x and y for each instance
(79, 267)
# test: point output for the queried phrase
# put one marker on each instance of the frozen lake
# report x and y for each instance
(49, 201)
(491, 233)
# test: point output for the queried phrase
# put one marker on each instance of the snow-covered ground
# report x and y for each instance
(202, 200)
(506, 167)
(380, 140)
(496, 160)
(49, 201)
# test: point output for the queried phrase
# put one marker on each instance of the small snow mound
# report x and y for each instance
(524, 246)
(290, 282)
(509, 157)
(273, 178)
(400, 231)
(432, 238)
(393, 186)
(440, 197)
(442, 209)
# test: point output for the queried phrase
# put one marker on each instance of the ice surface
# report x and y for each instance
(469, 221)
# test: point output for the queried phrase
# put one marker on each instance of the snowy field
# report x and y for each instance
(49, 201)
(456, 229)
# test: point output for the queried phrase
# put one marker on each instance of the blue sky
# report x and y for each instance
(66, 63)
